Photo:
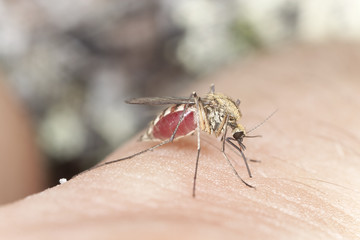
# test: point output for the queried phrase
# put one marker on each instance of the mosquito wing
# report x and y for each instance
(160, 100)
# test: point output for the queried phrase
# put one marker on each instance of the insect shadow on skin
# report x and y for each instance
(214, 114)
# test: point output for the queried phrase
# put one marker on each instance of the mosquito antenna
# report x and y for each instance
(257, 126)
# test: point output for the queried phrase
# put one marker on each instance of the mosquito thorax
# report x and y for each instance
(219, 100)
(217, 108)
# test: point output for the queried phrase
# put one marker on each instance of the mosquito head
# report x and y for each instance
(239, 137)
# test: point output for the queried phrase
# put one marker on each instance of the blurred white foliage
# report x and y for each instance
(63, 133)
(207, 42)
(67, 13)
(329, 19)
(107, 113)
(317, 20)
(13, 36)
(265, 17)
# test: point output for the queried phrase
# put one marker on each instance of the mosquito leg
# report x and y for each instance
(226, 157)
(236, 152)
(228, 140)
(212, 88)
(125, 158)
(225, 132)
(254, 160)
(197, 100)
(162, 143)
(235, 172)
(151, 148)
(193, 95)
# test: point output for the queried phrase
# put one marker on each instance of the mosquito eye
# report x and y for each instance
(238, 135)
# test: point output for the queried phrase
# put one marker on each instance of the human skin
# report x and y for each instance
(307, 181)
(21, 165)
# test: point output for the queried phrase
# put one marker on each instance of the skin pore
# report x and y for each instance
(307, 184)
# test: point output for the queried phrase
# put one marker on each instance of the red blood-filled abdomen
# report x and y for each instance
(166, 125)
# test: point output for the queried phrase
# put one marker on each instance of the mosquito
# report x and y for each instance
(214, 114)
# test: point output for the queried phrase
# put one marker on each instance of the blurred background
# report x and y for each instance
(71, 64)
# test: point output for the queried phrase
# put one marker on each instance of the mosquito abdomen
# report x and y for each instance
(164, 125)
